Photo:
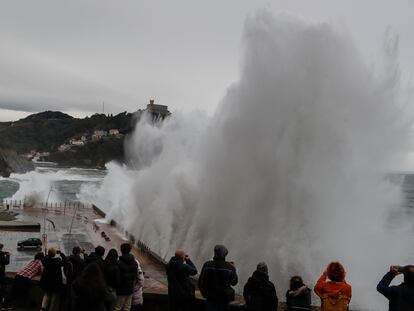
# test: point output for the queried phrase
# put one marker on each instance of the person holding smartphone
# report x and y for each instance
(181, 291)
(401, 297)
(51, 281)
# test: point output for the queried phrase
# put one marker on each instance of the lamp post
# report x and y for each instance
(44, 235)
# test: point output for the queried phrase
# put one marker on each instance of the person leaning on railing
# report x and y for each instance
(22, 281)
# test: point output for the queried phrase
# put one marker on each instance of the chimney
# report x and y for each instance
(151, 102)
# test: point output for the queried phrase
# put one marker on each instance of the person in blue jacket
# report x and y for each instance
(181, 291)
(401, 297)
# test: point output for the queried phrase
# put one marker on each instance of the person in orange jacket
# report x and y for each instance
(334, 291)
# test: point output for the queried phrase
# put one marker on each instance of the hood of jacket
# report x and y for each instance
(220, 252)
(333, 288)
(259, 277)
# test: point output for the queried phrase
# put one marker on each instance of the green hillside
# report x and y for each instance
(46, 131)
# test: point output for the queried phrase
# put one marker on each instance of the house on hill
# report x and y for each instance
(113, 132)
(157, 111)
(99, 134)
(64, 147)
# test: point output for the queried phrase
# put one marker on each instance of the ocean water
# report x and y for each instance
(70, 184)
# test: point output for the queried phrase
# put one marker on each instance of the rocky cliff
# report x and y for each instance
(11, 162)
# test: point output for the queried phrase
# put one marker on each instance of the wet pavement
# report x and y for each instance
(55, 226)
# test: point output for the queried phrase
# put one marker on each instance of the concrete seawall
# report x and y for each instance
(25, 226)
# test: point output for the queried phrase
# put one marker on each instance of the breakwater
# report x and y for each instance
(132, 239)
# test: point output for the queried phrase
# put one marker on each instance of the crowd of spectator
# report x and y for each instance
(95, 282)
(79, 282)
(218, 276)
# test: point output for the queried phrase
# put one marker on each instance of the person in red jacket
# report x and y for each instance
(334, 291)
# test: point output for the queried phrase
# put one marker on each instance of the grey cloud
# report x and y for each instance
(75, 54)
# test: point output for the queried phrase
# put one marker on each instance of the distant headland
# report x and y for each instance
(54, 136)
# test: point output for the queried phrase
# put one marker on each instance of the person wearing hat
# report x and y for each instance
(216, 280)
(401, 297)
(22, 281)
(260, 293)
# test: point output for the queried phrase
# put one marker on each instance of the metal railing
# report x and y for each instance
(19, 204)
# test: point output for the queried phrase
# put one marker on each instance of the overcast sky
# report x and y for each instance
(74, 55)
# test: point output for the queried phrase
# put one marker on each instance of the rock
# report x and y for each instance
(11, 162)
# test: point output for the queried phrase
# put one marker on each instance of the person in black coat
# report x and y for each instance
(298, 297)
(4, 261)
(88, 291)
(259, 292)
(128, 277)
(401, 297)
(112, 276)
(181, 291)
(96, 257)
(77, 264)
(216, 280)
(51, 280)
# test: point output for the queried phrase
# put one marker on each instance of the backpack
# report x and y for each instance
(335, 303)
(4, 259)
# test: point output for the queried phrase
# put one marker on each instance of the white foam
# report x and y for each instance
(289, 170)
(38, 185)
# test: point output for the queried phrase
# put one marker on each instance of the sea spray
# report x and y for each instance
(290, 169)
(53, 184)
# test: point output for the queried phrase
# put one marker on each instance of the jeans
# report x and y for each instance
(137, 307)
(123, 303)
(51, 301)
(181, 304)
(20, 288)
